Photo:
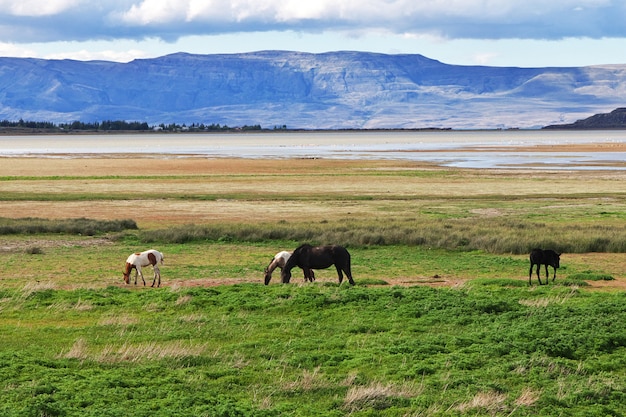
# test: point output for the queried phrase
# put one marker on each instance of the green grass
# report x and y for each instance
(252, 350)
(77, 342)
(101, 265)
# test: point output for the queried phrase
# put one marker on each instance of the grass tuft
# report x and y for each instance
(34, 250)
(149, 351)
(491, 401)
(377, 395)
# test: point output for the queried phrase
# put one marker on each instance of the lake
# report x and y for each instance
(533, 149)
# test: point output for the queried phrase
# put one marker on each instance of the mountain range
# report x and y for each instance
(335, 90)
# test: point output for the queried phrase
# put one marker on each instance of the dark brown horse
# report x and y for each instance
(318, 257)
(279, 261)
(543, 257)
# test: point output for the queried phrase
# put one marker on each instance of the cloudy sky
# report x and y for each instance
(524, 33)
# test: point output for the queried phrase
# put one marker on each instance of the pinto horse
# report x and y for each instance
(319, 257)
(137, 261)
(279, 261)
(546, 257)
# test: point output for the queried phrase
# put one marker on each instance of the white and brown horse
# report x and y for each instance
(137, 261)
(279, 261)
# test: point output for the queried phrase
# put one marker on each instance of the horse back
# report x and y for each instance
(329, 255)
(545, 257)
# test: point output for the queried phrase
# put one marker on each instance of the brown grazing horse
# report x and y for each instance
(546, 257)
(279, 261)
(319, 257)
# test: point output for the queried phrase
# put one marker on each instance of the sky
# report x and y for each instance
(517, 33)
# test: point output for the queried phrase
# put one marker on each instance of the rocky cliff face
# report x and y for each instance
(309, 91)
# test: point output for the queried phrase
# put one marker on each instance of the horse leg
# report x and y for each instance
(285, 275)
(339, 273)
(157, 272)
(530, 274)
(348, 272)
(349, 275)
(309, 275)
(547, 275)
(539, 274)
(554, 277)
(140, 273)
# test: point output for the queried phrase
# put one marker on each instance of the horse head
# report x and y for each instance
(127, 268)
(268, 275)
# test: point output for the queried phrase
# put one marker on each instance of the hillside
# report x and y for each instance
(613, 120)
(310, 91)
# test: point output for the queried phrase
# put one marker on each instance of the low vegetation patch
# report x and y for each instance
(493, 236)
(80, 226)
(590, 276)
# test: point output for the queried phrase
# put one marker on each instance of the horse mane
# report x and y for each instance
(302, 247)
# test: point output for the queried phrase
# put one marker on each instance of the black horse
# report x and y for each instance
(319, 257)
(543, 257)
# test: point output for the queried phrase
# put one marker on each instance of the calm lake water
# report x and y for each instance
(471, 149)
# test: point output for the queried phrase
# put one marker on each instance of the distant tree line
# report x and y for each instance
(28, 124)
(105, 125)
(122, 125)
(174, 127)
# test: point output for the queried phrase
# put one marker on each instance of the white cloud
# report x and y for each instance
(154, 12)
(9, 49)
(37, 7)
(67, 20)
(484, 58)
(104, 55)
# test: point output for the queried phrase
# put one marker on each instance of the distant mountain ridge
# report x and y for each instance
(335, 90)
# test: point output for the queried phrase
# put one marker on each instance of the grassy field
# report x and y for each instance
(442, 321)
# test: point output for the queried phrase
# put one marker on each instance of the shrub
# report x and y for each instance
(492, 235)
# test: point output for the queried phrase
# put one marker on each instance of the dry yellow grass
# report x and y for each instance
(159, 191)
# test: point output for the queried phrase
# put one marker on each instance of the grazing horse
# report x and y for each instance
(319, 257)
(279, 261)
(543, 257)
(137, 261)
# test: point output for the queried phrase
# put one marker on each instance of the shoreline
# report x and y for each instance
(454, 149)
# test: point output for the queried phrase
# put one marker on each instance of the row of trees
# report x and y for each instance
(122, 125)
